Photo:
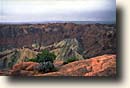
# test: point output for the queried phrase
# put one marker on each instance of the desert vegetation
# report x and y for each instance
(45, 60)
(70, 59)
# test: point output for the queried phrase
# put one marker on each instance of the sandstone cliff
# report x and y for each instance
(96, 39)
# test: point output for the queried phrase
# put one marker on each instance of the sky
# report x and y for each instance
(57, 10)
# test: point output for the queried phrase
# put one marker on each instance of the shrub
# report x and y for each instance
(45, 56)
(31, 60)
(71, 59)
(45, 59)
(46, 67)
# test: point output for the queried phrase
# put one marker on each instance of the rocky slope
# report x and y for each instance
(98, 66)
(96, 39)
(63, 50)
(104, 65)
(9, 58)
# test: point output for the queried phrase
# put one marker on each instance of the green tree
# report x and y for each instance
(44, 56)
(45, 59)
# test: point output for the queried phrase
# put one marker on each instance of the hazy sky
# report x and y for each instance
(57, 10)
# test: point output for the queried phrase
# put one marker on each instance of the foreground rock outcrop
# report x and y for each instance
(98, 66)
(24, 69)
(104, 65)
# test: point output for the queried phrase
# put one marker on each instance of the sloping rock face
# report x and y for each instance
(25, 54)
(63, 50)
(98, 66)
(28, 66)
(97, 39)
(104, 65)
(24, 69)
(66, 49)
(9, 58)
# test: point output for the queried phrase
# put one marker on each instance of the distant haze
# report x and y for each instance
(57, 10)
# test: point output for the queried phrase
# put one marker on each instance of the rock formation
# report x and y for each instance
(24, 69)
(87, 42)
(96, 39)
(9, 58)
(104, 65)
(65, 49)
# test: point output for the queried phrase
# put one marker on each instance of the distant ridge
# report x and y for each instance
(76, 22)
